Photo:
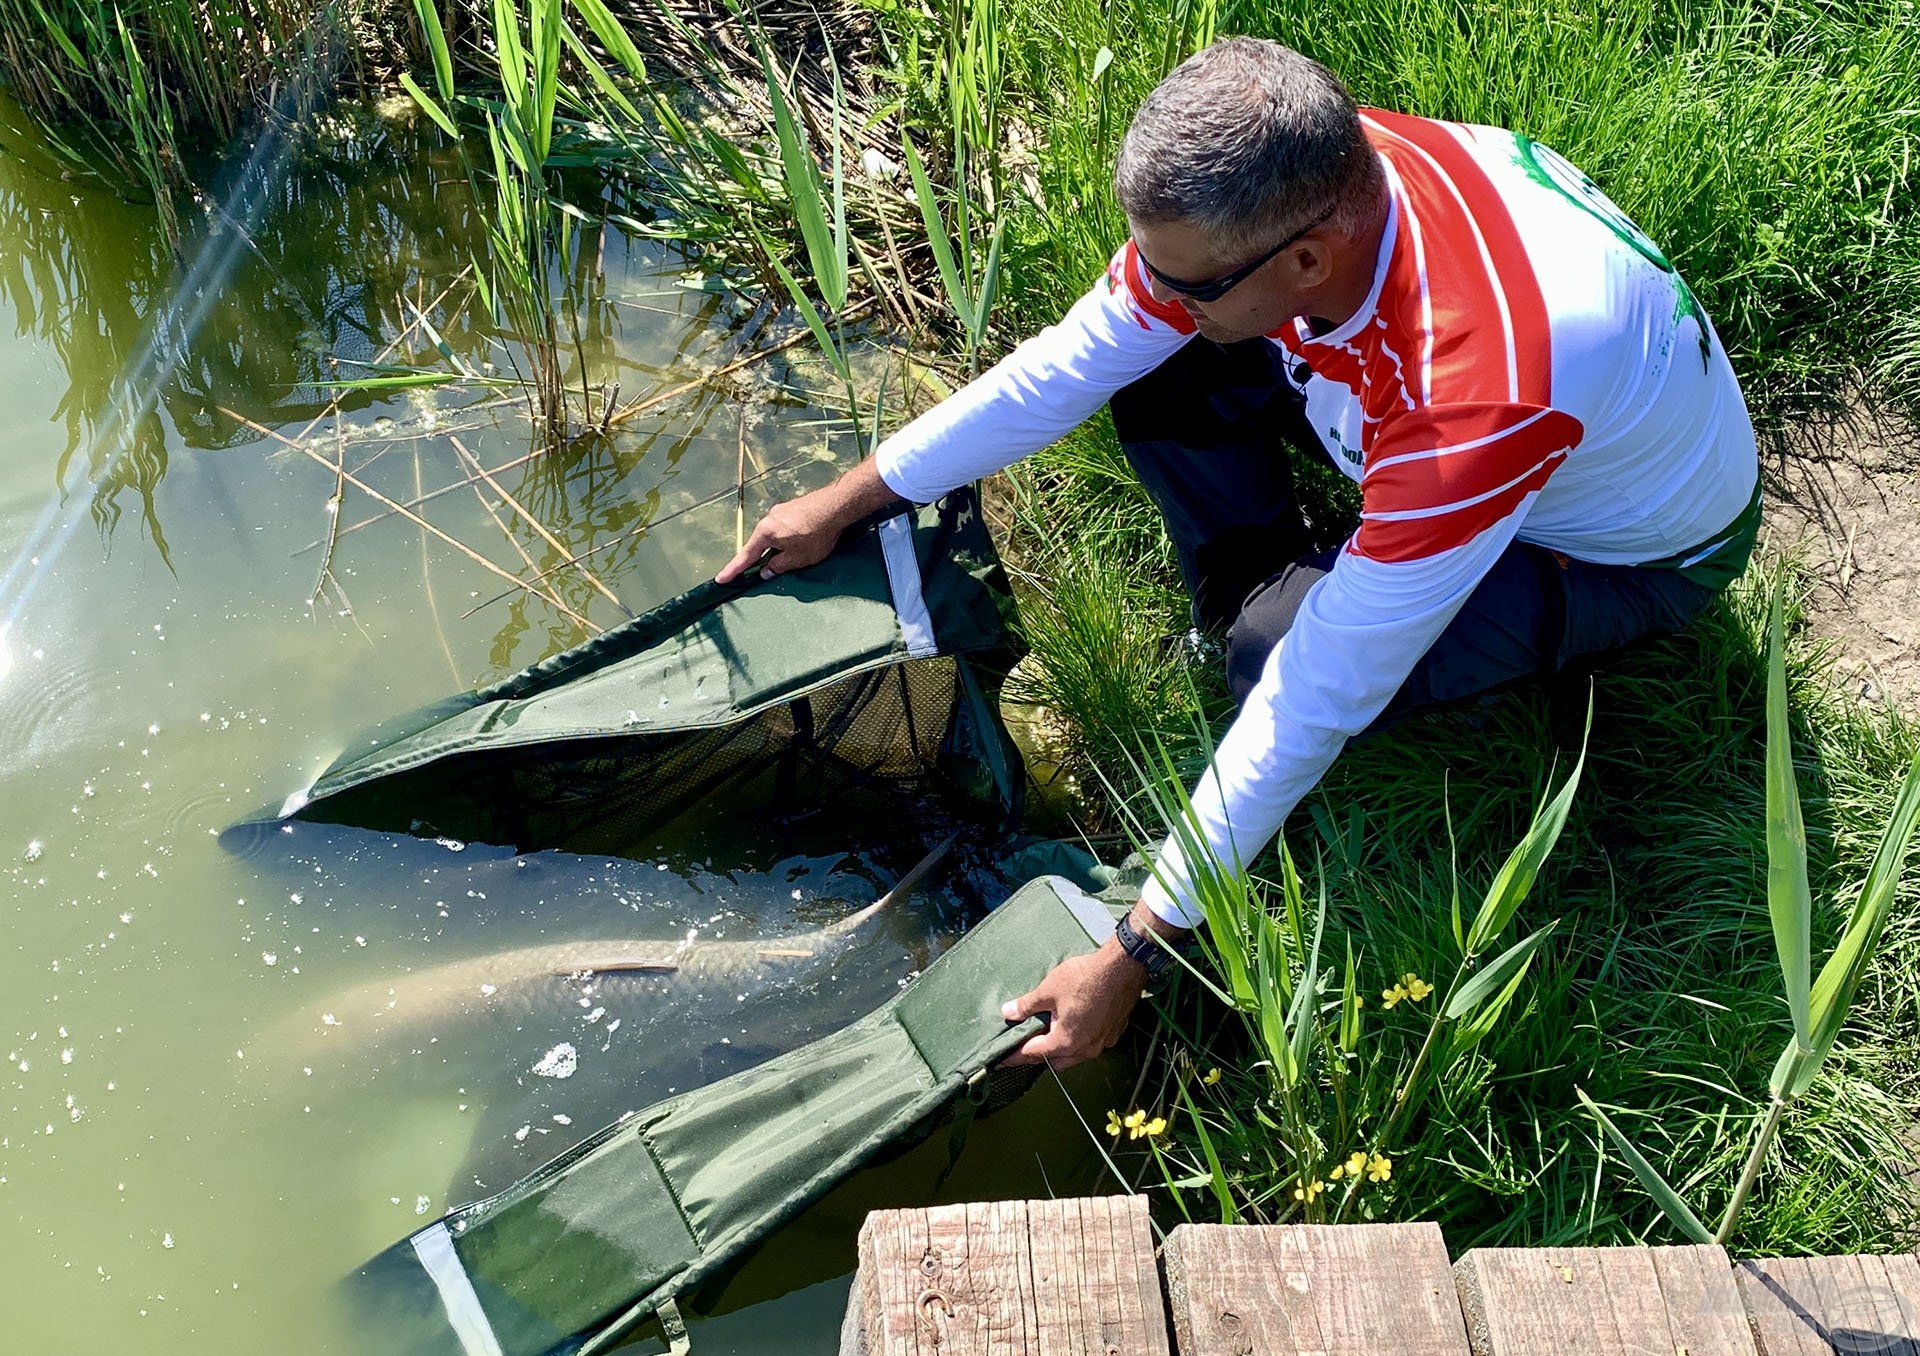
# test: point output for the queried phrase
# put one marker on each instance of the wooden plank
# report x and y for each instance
(1600, 1301)
(1096, 1285)
(1009, 1278)
(1704, 1310)
(1312, 1290)
(1833, 1306)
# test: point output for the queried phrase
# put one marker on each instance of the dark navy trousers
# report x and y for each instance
(1211, 433)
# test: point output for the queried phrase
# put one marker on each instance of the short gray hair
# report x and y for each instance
(1247, 140)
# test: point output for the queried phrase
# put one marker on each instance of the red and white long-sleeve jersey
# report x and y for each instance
(1527, 365)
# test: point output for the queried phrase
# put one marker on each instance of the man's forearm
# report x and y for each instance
(860, 491)
(1144, 920)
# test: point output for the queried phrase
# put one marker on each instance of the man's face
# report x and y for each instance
(1259, 304)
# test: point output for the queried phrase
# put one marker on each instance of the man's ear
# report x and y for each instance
(1312, 260)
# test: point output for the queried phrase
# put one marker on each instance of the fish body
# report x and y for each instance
(516, 985)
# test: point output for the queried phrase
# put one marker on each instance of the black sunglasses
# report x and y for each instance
(1219, 287)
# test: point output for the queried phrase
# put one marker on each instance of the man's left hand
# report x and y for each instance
(1090, 998)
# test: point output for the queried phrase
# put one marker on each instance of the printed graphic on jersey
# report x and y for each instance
(1547, 166)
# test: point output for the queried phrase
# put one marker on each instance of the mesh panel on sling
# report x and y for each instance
(590, 1246)
(867, 675)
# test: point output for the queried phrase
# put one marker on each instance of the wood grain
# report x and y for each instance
(1833, 1306)
(1603, 1301)
(1010, 1278)
(1312, 1290)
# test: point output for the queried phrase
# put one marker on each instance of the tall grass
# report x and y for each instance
(137, 89)
(1658, 994)
(1768, 147)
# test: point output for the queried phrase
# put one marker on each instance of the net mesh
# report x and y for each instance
(874, 737)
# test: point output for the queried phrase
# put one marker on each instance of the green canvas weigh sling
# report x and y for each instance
(855, 676)
(578, 1254)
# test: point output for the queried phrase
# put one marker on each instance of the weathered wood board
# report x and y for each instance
(1602, 1302)
(1078, 1277)
(1013, 1278)
(1834, 1306)
(1312, 1290)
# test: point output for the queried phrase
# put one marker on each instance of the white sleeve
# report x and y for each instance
(1037, 393)
(1359, 632)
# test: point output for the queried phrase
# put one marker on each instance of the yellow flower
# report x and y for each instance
(1339, 1171)
(1136, 1124)
(1417, 988)
(1388, 997)
(1212, 1077)
(1356, 1161)
(1379, 1168)
(1310, 1191)
(1113, 1123)
(1156, 1126)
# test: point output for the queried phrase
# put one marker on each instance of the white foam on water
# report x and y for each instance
(560, 1062)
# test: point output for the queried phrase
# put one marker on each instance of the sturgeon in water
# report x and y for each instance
(511, 986)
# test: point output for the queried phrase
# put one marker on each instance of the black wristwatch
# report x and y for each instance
(1149, 952)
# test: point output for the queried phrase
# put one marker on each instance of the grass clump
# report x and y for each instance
(138, 89)
(1657, 992)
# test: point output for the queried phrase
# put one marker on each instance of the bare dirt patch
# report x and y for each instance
(1846, 498)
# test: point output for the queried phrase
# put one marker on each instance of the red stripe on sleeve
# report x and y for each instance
(1462, 468)
(1513, 268)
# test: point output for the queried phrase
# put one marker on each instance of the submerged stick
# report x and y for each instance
(411, 516)
(626, 412)
(586, 627)
(740, 488)
(426, 582)
(664, 518)
(546, 534)
(334, 504)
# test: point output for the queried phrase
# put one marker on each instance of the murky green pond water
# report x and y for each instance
(191, 1157)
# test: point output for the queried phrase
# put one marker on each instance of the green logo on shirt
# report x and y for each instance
(1544, 165)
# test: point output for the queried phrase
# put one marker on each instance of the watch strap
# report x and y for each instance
(1144, 949)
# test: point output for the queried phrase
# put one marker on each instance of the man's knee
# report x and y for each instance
(1264, 619)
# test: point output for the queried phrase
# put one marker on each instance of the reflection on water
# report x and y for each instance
(189, 1151)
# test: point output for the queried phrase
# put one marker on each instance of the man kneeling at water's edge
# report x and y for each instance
(1553, 454)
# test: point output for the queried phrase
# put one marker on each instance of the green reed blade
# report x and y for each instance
(612, 36)
(1656, 1186)
(1516, 876)
(1497, 973)
(429, 105)
(1832, 993)
(1789, 898)
(937, 236)
(437, 49)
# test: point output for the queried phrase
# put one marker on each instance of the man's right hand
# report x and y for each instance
(803, 531)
